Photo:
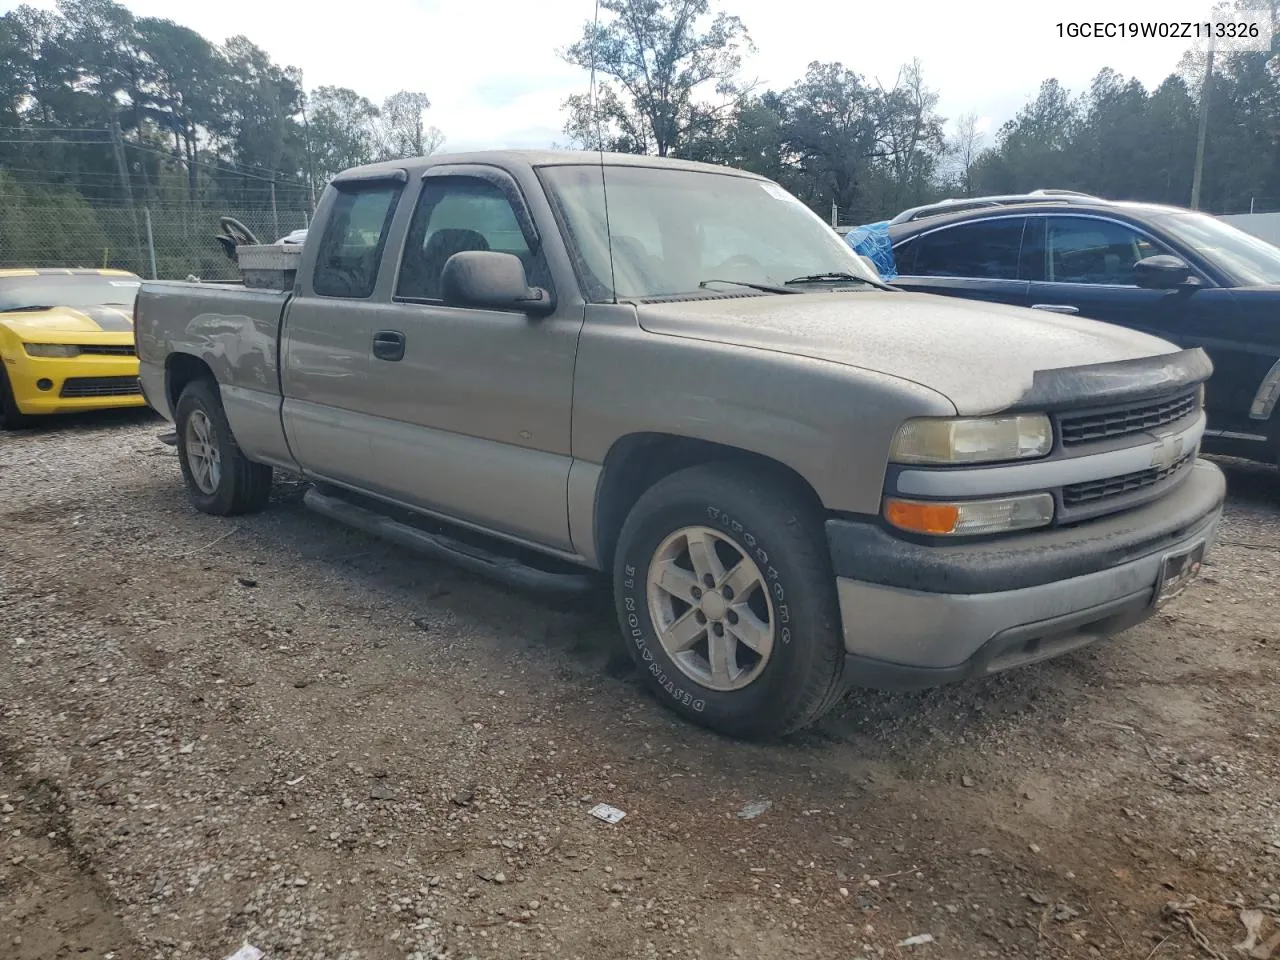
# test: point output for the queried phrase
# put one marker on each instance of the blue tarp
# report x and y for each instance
(872, 241)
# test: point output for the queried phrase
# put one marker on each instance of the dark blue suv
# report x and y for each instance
(1184, 276)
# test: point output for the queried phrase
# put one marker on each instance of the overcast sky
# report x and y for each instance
(494, 77)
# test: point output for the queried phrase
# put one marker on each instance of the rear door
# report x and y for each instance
(977, 260)
(326, 345)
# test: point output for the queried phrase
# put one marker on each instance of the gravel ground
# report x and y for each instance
(277, 731)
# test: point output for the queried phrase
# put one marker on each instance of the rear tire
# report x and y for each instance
(763, 590)
(11, 418)
(219, 478)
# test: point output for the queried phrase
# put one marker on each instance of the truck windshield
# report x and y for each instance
(62, 290)
(675, 232)
(1250, 261)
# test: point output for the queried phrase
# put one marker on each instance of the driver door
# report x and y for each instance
(475, 410)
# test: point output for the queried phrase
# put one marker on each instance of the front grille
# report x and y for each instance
(1090, 491)
(109, 350)
(101, 387)
(1087, 426)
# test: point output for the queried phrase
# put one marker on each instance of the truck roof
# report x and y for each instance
(414, 166)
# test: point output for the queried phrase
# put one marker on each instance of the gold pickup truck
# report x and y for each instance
(66, 343)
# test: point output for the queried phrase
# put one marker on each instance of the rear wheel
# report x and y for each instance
(219, 478)
(727, 601)
(11, 418)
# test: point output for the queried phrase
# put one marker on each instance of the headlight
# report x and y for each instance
(970, 517)
(982, 440)
(51, 349)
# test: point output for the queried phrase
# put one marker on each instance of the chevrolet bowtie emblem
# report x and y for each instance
(1166, 453)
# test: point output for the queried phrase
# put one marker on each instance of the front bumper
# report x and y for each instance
(918, 616)
(26, 374)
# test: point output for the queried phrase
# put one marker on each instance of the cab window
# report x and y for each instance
(456, 214)
(353, 239)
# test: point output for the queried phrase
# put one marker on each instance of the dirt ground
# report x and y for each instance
(279, 732)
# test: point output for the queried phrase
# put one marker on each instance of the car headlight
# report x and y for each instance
(970, 517)
(51, 349)
(976, 440)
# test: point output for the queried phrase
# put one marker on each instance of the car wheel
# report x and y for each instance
(219, 478)
(727, 601)
(11, 418)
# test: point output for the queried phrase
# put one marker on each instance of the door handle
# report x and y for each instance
(1055, 307)
(388, 345)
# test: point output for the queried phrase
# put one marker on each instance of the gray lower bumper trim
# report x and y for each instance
(915, 629)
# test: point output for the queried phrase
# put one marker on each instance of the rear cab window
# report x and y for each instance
(354, 238)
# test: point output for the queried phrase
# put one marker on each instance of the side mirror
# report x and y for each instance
(491, 281)
(1162, 272)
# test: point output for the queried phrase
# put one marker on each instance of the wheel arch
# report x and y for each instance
(636, 462)
(180, 369)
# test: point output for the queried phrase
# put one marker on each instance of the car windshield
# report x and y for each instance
(61, 290)
(678, 232)
(1250, 261)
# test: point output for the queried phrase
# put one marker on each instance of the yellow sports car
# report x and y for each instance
(66, 342)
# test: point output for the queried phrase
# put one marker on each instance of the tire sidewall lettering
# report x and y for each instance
(633, 604)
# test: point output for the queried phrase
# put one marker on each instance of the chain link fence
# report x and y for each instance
(166, 241)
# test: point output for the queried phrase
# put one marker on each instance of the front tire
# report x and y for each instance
(11, 418)
(219, 478)
(727, 601)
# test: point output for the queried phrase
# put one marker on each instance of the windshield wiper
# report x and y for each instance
(29, 308)
(835, 277)
(766, 287)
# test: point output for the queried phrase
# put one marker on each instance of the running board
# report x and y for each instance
(476, 559)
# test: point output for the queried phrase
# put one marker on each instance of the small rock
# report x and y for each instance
(980, 852)
(422, 623)
(1062, 913)
(754, 809)
(381, 791)
(465, 795)
(1034, 848)
(917, 940)
(421, 911)
(1038, 899)
(301, 683)
(966, 781)
(246, 581)
(187, 748)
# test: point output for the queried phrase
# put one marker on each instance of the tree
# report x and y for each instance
(830, 135)
(343, 130)
(909, 134)
(403, 131)
(666, 64)
(964, 148)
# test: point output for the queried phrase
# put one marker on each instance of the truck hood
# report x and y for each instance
(981, 356)
(88, 324)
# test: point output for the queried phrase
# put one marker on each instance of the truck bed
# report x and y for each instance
(233, 329)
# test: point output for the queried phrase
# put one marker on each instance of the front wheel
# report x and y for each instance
(219, 478)
(11, 418)
(727, 601)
